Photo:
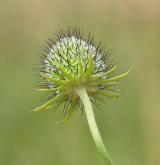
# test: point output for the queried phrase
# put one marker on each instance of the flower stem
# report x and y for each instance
(93, 126)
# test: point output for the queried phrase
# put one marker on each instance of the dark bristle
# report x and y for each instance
(66, 105)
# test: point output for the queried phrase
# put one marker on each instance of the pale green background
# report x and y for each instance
(130, 125)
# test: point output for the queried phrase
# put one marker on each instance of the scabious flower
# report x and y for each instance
(76, 71)
(72, 61)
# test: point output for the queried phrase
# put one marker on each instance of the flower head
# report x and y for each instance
(71, 62)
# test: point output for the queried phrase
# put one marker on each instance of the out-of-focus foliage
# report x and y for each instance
(129, 125)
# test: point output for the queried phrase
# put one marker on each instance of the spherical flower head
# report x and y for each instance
(72, 62)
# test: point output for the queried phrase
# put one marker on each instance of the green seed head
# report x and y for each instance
(72, 62)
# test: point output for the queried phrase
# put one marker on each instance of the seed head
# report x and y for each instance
(72, 62)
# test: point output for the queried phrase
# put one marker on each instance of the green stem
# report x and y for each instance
(93, 126)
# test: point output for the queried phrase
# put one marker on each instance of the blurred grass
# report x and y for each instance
(129, 125)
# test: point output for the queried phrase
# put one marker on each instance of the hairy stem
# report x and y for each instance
(93, 126)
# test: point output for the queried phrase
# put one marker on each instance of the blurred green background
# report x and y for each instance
(130, 125)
